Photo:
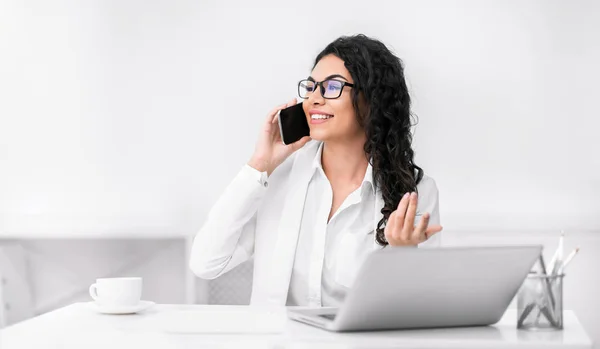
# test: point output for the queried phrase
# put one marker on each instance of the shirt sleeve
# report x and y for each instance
(227, 237)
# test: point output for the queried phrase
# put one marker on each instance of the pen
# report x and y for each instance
(547, 282)
(568, 260)
(526, 312)
(547, 294)
(558, 256)
(548, 316)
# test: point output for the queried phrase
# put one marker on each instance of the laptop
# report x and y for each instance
(408, 288)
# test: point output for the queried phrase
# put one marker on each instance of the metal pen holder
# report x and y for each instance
(540, 303)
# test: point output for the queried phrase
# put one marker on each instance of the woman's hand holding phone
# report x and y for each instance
(270, 151)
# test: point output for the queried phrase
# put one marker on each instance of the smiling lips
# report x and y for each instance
(318, 117)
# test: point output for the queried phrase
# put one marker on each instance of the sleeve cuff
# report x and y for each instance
(260, 177)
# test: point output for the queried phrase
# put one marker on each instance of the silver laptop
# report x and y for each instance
(402, 288)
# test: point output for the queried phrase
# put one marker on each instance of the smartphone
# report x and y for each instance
(292, 124)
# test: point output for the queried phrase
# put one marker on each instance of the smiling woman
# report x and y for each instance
(376, 114)
(331, 89)
(310, 212)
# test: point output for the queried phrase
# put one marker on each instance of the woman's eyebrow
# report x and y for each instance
(330, 77)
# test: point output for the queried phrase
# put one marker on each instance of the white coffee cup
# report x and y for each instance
(122, 291)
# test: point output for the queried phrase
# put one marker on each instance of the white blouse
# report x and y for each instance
(317, 279)
(281, 222)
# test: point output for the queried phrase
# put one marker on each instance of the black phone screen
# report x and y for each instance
(292, 124)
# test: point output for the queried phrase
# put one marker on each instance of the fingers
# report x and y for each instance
(403, 230)
(393, 229)
(432, 230)
(292, 102)
(411, 212)
(401, 209)
(419, 234)
(424, 231)
(400, 229)
(272, 116)
(390, 229)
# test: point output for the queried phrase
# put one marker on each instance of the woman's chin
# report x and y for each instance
(318, 135)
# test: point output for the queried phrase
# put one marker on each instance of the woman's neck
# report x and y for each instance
(344, 162)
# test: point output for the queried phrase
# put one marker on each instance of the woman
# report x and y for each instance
(311, 211)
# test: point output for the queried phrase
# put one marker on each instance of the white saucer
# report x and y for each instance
(119, 310)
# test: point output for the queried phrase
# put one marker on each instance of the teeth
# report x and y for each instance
(321, 116)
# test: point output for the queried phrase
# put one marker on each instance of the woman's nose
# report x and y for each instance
(316, 97)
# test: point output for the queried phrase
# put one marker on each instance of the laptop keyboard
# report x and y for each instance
(328, 316)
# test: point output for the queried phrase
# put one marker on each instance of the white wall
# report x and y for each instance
(133, 115)
(121, 112)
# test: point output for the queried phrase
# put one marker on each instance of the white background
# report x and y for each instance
(121, 116)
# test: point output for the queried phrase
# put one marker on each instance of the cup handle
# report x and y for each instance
(94, 292)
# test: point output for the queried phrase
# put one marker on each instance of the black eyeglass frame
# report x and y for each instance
(322, 87)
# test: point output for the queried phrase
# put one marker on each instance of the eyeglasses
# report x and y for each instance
(330, 89)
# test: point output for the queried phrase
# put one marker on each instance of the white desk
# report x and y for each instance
(78, 326)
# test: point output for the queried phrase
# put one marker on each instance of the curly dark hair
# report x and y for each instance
(383, 111)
